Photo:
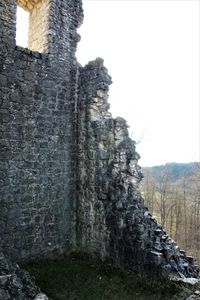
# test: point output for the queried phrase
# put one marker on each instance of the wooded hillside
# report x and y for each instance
(172, 194)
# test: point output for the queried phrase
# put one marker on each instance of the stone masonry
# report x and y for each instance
(38, 135)
(69, 172)
(112, 220)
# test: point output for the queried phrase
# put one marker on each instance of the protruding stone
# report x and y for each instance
(17, 284)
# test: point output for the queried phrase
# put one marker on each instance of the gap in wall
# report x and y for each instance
(22, 27)
(32, 30)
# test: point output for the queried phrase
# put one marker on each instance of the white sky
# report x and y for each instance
(151, 49)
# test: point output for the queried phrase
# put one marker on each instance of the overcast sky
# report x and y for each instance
(151, 49)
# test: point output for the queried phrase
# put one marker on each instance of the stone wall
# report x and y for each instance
(93, 148)
(68, 171)
(38, 136)
(28, 4)
(112, 219)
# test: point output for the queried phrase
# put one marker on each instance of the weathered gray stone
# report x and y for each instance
(41, 297)
(130, 235)
(69, 173)
(17, 283)
(38, 135)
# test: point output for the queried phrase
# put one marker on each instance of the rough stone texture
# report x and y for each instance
(28, 4)
(38, 136)
(16, 283)
(68, 171)
(195, 296)
(112, 219)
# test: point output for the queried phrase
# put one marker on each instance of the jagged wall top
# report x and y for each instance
(51, 22)
(69, 174)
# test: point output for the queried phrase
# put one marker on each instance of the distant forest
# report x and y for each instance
(172, 194)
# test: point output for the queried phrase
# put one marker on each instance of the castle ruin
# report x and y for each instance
(68, 171)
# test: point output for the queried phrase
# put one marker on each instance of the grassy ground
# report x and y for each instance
(78, 278)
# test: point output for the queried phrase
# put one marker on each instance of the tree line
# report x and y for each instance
(175, 203)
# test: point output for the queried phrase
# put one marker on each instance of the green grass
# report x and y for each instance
(78, 278)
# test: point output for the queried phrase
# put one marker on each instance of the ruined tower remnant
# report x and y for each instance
(38, 130)
(69, 174)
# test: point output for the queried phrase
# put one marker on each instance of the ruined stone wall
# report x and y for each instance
(68, 171)
(112, 219)
(38, 135)
(93, 135)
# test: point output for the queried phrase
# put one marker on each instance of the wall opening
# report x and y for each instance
(22, 27)
(33, 24)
